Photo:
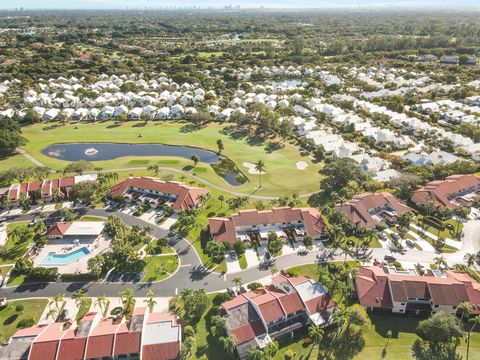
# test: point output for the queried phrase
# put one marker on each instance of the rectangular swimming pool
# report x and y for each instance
(63, 259)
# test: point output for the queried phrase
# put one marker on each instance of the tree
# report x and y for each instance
(439, 338)
(470, 259)
(275, 244)
(238, 282)
(103, 303)
(221, 198)
(10, 136)
(404, 220)
(440, 261)
(195, 159)
(220, 146)
(78, 167)
(128, 301)
(341, 175)
(298, 43)
(316, 334)
(228, 344)
(195, 303)
(476, 322)
(150, 301)
(465, 308)
(260, 167)
(56, 306)
(254, 286)
(256, 354)
(85, 191)
(154, 169)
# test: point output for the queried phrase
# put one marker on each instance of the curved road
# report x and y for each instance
(191, 273)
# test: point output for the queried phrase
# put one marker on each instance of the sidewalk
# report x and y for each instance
(450, 242)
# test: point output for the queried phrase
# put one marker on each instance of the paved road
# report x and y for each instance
(191, 273)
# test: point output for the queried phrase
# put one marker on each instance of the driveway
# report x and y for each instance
(167, 224)
(233, 265)
(251, 257)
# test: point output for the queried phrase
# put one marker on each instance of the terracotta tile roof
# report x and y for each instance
(101, 339)
(269, 307)
(248, 331)
(223, 229)
(438, 191)
(291, 303)
(166, 351)
(31, 331)
(58, 229)
(357, 209)
(45, 345)
(126, 342)
(236, 301)
(320, 304)
(71, 348)
(373, 289)
(33, 186)
(186, 196)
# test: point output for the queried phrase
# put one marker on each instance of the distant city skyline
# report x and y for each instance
(140, 4)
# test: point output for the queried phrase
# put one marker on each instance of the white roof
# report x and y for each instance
(85, 228)
(309, 290)
(160, 333)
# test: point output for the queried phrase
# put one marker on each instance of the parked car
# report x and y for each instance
(3, 219)
(382, 236)
(390, 258)
(410, 243)
(233, 255)
(395, 236)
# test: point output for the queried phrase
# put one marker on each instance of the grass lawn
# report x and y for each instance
(243, 261)
(16, 280)
(311, 270)
(4, 270)
(159, 267)
(282, 176)
(9, 318)
(14, 161)
(15, 248)
(403, 330)
(91, 218)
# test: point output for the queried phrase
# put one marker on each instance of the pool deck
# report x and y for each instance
(80, 266)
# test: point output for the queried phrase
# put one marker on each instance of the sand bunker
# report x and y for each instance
(301, 165)
(251, 168)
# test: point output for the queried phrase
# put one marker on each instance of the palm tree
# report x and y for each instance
(228, 344)
(316, 334)
(128, 301)
(221, 198)
(257, 354)
(465, 307)
(260, 167)
(475, 321)
(150, 301)
(238, 282)
(273, 270)
(155, 169)
(340, 317)
(103, 303)
(470, 259)
(195, 159)
(59, 302)
(440, 261)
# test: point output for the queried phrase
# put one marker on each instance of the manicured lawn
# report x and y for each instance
(9, 317)
(159, 267)
(16, 280)
(14, 161)
(403, 330)
(311, 270)
(91, 218)
(15, 247)
(4, 270)
(282, 176)
(243, 261)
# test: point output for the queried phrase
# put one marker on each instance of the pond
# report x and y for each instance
(111, 151)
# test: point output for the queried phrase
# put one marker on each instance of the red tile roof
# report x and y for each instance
(58, 229)
(45, 345)
(127, 342)
(291, 303)
(248, 331)
(101, 339)
(223, 229)
(186, 196)
(372, 288)
(438, 191)
(357, 209)
(320, 304)
(71, 348)
(165, 351)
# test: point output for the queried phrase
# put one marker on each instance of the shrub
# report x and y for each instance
(188, 331)
(239, 247)
(25, 323)
(254, 286)
(308, 241)
(289, 354)
(19, 308)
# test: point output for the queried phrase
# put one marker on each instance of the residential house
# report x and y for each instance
(255, 318)
(75, 229)
(248, 225)
(380, 290)
(372, 209)
(454, 191)
(155, 191)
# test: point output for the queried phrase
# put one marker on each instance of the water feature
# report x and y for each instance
(111, 151)
(54, 258)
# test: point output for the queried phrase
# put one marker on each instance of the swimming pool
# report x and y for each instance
(63, 259)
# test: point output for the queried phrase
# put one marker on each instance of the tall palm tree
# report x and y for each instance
(470, 259)
(128, 301)
(476, 322)
(440, 261)
(150, 301)
(257, 354)
(273, 270)
(228, 344)
(103, 303)
(316, 334)
(155, 169)
(238, 282)
(465, 307)
(260, 167)
(56, 306)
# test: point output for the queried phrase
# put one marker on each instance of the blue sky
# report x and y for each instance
(138, 4)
